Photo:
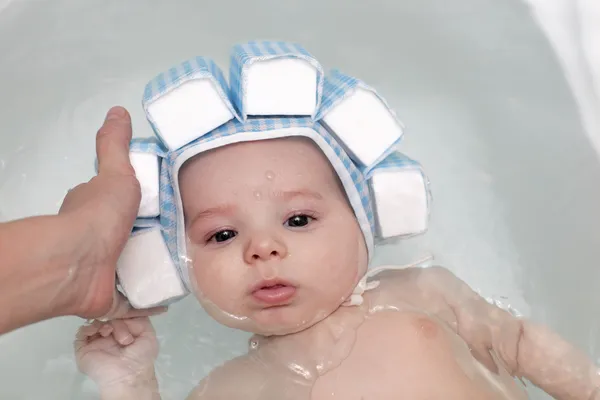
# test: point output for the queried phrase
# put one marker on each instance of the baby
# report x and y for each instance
(277, 250)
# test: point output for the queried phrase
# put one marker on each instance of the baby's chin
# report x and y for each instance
(273, 321)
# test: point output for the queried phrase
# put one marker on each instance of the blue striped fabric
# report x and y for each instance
(195, 68)
(143, 145)
(399, 161)
(333, 89)
(148, 145)
(338, 86)
(168, 217)
(367, 169)
(243, 55)
(395, 160)
(361, 203)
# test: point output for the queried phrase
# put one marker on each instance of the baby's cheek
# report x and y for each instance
(201, 280)
(220, 283)
(204, 277)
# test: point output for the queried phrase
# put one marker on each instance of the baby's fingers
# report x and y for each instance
(140, 326)
(106, 330)
(121, 332)
(89, 331)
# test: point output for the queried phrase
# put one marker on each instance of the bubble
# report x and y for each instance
(270, 175)
(257, 195)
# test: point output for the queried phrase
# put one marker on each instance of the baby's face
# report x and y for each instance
(274, 244)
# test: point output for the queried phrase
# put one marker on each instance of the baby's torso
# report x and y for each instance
(409, 355)
(385, 349)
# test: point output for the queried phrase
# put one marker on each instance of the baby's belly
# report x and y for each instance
(404, 355)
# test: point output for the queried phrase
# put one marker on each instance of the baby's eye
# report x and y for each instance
(298, 221)
(223, 236)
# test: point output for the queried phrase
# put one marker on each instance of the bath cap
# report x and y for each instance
(275, 90)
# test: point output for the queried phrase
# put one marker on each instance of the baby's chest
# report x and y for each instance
(399, 355)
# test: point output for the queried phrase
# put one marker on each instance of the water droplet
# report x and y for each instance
(270, 175)
(254, 344)
(300, 370)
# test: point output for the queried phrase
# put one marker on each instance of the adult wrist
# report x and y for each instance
(72, 241)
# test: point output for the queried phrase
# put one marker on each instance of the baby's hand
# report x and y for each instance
(117, 353)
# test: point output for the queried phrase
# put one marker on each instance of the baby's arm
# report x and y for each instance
(143, 387)
(527, 350)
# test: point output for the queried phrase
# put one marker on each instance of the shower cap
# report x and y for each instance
(275, 90)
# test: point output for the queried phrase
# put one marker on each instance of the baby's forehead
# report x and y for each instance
(290, 155)
(273, 168)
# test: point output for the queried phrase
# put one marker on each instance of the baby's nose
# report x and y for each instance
(264, 248)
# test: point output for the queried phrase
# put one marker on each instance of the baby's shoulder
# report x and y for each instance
(430, 278)
(411, 289)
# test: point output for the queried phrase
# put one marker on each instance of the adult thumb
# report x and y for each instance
(112, 143)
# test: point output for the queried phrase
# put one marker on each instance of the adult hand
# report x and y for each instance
(54, 265)
(103, 211)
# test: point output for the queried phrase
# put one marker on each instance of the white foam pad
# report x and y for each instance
(188, 112)
(281, 86)
(364, 126)
(400, 200)
(146, 166)
(146, 271)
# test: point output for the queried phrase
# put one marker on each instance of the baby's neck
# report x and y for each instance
(320, 347)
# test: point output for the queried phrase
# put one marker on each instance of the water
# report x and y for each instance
(488, 110)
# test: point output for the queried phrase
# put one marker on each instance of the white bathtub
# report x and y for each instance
(515, 179)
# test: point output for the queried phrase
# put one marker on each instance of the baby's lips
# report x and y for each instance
(274, 295)
(267, 283)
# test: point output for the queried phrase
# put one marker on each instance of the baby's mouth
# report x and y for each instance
(273, 293)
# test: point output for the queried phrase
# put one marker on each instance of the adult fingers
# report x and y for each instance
(112, 143)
